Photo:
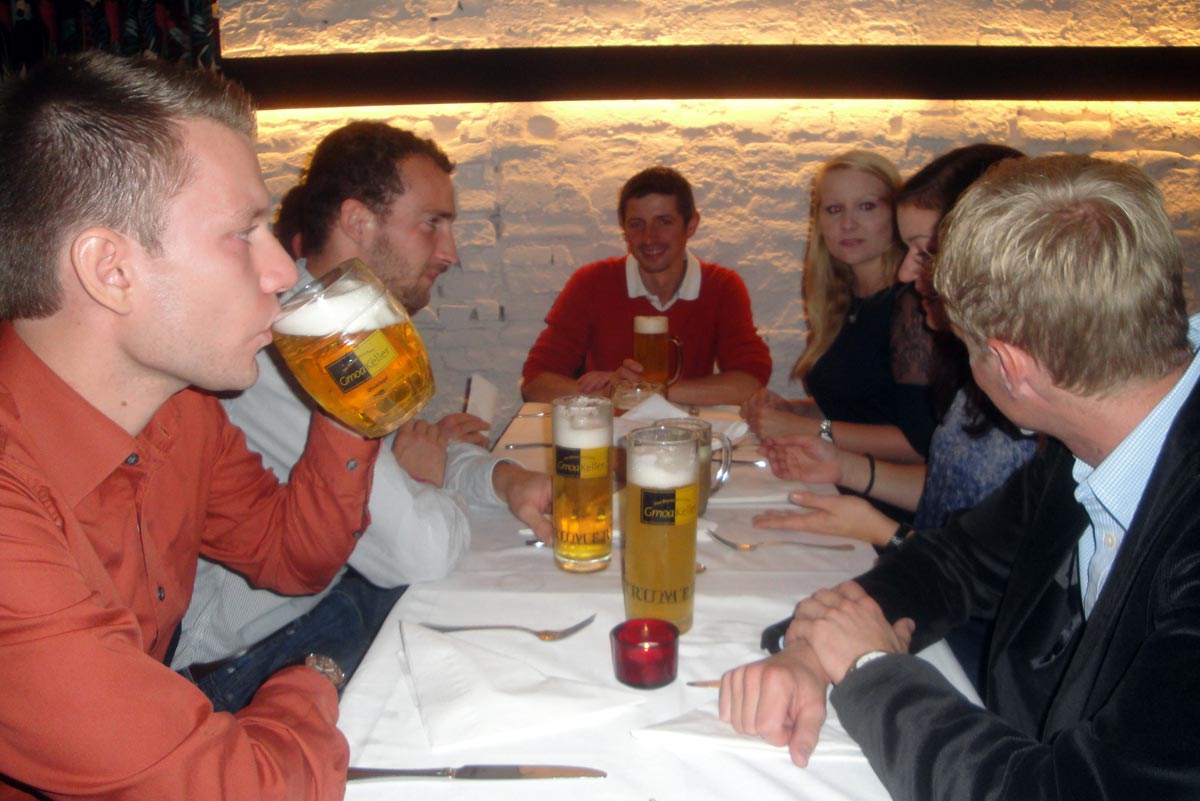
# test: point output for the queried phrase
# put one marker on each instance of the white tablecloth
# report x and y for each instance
(504, 580)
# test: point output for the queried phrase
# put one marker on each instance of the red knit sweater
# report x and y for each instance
(590, 325)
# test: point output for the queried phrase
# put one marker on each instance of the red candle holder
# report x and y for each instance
(645, 652)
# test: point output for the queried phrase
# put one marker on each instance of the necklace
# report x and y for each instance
(856, 305)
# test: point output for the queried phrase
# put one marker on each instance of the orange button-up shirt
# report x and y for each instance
(99, 537)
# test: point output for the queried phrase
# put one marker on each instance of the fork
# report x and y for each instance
(545, 635)
(750, 546)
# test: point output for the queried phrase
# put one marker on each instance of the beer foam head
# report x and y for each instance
(358, 307)
(661, 466)
(583, 422)
(649, 325)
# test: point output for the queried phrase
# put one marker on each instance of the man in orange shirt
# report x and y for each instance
(136, 262)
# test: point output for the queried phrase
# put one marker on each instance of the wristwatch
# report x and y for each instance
(869, 656)
(898, 538)
(327, 668)
(825, 430)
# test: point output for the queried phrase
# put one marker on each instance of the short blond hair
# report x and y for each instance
(1073, 260)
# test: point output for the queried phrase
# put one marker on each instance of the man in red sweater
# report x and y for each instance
(588, 340)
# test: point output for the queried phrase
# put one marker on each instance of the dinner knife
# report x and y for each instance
(478, 772)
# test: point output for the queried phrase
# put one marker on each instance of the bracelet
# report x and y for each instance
(871, 481)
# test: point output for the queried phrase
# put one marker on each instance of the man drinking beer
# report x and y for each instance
(136, 262)
(384, 195)
(589, 337)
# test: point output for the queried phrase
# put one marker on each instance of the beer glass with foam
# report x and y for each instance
(582, 483)
(658, 532)
(651, 348)
(353, 348)
(702, 430)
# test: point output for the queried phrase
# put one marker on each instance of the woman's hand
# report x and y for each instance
(770, 423)
(804, 458)
(834, 515)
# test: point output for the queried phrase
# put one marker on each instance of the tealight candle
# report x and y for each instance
(645, 652)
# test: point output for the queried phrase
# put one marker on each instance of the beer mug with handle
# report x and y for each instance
(582, 483)
(658, 532)
(353, 348)
(705, 438)
(651, 349)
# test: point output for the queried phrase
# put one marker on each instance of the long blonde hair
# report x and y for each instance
(827, 281)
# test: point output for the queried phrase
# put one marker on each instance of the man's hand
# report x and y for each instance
(597, 382)
(842, 624)
(835, 515)
(804, 458)
(601, 382)
(465, 427)
(781, 699)
(420, 449)
(528, 495)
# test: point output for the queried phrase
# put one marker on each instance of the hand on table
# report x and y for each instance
(528, 495)
(781, 699)
(465, 428)
(835, 515)
(764, 398)
(842, 624)
(420, 449)
(804, 458)
(771, 423)
(601, 382)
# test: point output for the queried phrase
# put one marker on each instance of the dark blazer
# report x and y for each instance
(1103, 709)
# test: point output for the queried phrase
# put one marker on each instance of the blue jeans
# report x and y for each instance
(341, 626)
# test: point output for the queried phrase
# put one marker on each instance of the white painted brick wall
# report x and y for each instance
(285, 27)
(537, 182)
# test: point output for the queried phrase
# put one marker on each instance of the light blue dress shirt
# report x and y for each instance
(1110, 493)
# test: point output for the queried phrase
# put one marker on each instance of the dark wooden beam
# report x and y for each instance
(721, 71)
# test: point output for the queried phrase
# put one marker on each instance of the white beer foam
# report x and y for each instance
(360, 308)
(661, 469)
(581, 438)
(649, 325)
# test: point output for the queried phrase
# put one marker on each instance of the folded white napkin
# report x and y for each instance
(657, 407)
(757, 486)
(702, 728)
(468, 694)
(482, 398)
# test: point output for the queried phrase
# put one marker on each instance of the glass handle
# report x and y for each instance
(677, 344)
(726, 462)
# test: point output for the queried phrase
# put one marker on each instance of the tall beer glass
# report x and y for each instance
(352, 347)
(582, 483)
(658, 559)
(702, 430)
(651, 348)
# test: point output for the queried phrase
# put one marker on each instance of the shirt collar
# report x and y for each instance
(689, 287)
(1120, 480)
(76, 446)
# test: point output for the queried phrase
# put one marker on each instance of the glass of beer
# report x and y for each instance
(353, 348)
(658, 557)
(582, 483)
(652, 346)
(702, 430)
(628, 394)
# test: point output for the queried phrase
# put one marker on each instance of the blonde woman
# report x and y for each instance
(867, 364)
